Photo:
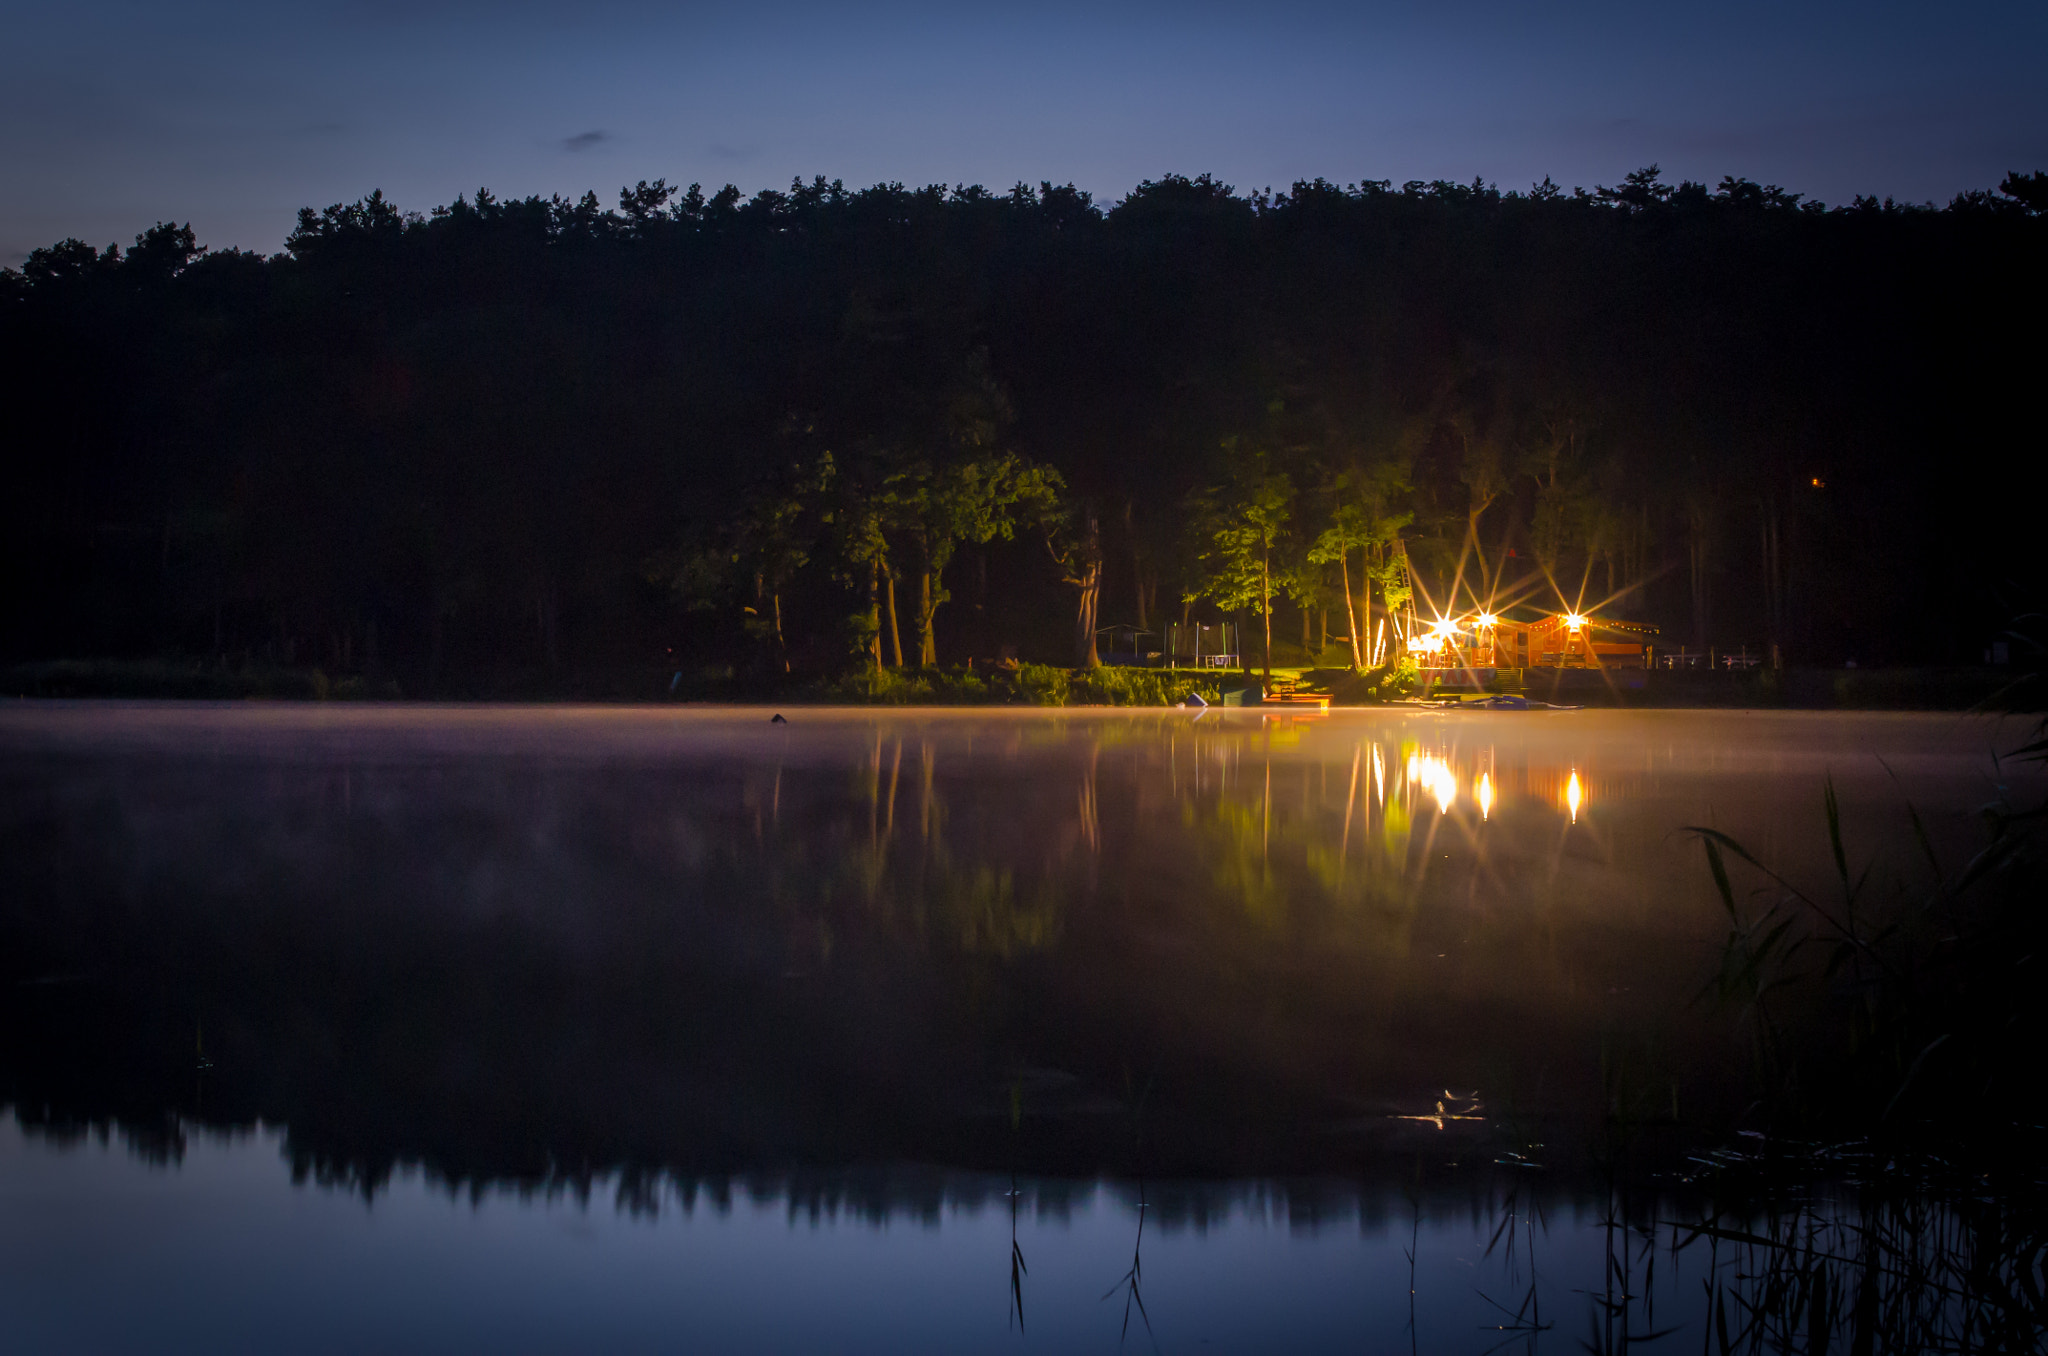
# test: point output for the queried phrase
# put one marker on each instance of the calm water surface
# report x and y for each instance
(391, 1028)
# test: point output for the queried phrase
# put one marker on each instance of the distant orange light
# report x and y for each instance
(1819, 484)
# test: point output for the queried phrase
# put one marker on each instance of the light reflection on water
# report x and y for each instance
(648, 952)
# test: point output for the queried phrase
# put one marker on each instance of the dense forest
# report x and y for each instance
(793, 432)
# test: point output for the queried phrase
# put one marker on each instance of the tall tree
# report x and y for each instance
(1073, 536)
(938, 507)
(1241, 524)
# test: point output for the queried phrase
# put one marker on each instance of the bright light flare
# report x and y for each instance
(1575, 620)
(1434, 775)
(1574, 795)
(1483, 793)
(1488, 619)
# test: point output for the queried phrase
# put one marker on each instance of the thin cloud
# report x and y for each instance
(583, 141)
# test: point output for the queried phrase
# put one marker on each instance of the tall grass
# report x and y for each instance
(1895, 1022)
(1854, 1248)
(1873, 1003)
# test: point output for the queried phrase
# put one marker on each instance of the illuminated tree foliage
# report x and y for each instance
(1241, 524)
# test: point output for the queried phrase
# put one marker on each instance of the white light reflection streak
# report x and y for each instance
(1434, 775)
(1350, 801)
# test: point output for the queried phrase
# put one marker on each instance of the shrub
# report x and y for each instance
(1027, 685)
(1139, 687)
(1043, 684)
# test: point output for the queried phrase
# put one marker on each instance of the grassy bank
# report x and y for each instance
(1026, 685)
(206, 680)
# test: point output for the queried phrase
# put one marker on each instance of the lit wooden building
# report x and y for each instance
(1558, 640)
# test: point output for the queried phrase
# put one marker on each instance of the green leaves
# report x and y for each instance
(1239, 524)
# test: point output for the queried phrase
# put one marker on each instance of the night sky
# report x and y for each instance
(233, 116)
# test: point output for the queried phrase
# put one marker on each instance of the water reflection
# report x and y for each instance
(690, 958)
(1255, 816)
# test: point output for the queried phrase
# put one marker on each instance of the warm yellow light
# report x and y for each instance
(1433, 775)
(1575, 621)
(1483, 792)
(1574, 796)
(1487, 619)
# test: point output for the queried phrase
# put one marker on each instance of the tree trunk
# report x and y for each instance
(895, 635)
(1090, 585)
(927, 594)
(1350, 614)
(875, 611)
(1086, 575)
(1266, 613)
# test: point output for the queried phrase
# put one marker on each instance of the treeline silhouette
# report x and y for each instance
(543, 435)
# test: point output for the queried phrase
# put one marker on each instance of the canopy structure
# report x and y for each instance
(1126, 644)
(1201, 645)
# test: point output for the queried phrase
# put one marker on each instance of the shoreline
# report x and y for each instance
(1923, 688)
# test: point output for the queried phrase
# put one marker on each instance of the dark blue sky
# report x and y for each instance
(235, 115)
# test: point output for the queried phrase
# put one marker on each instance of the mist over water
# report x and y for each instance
(636, 1026)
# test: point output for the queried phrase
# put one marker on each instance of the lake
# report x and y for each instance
(401, 1028)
